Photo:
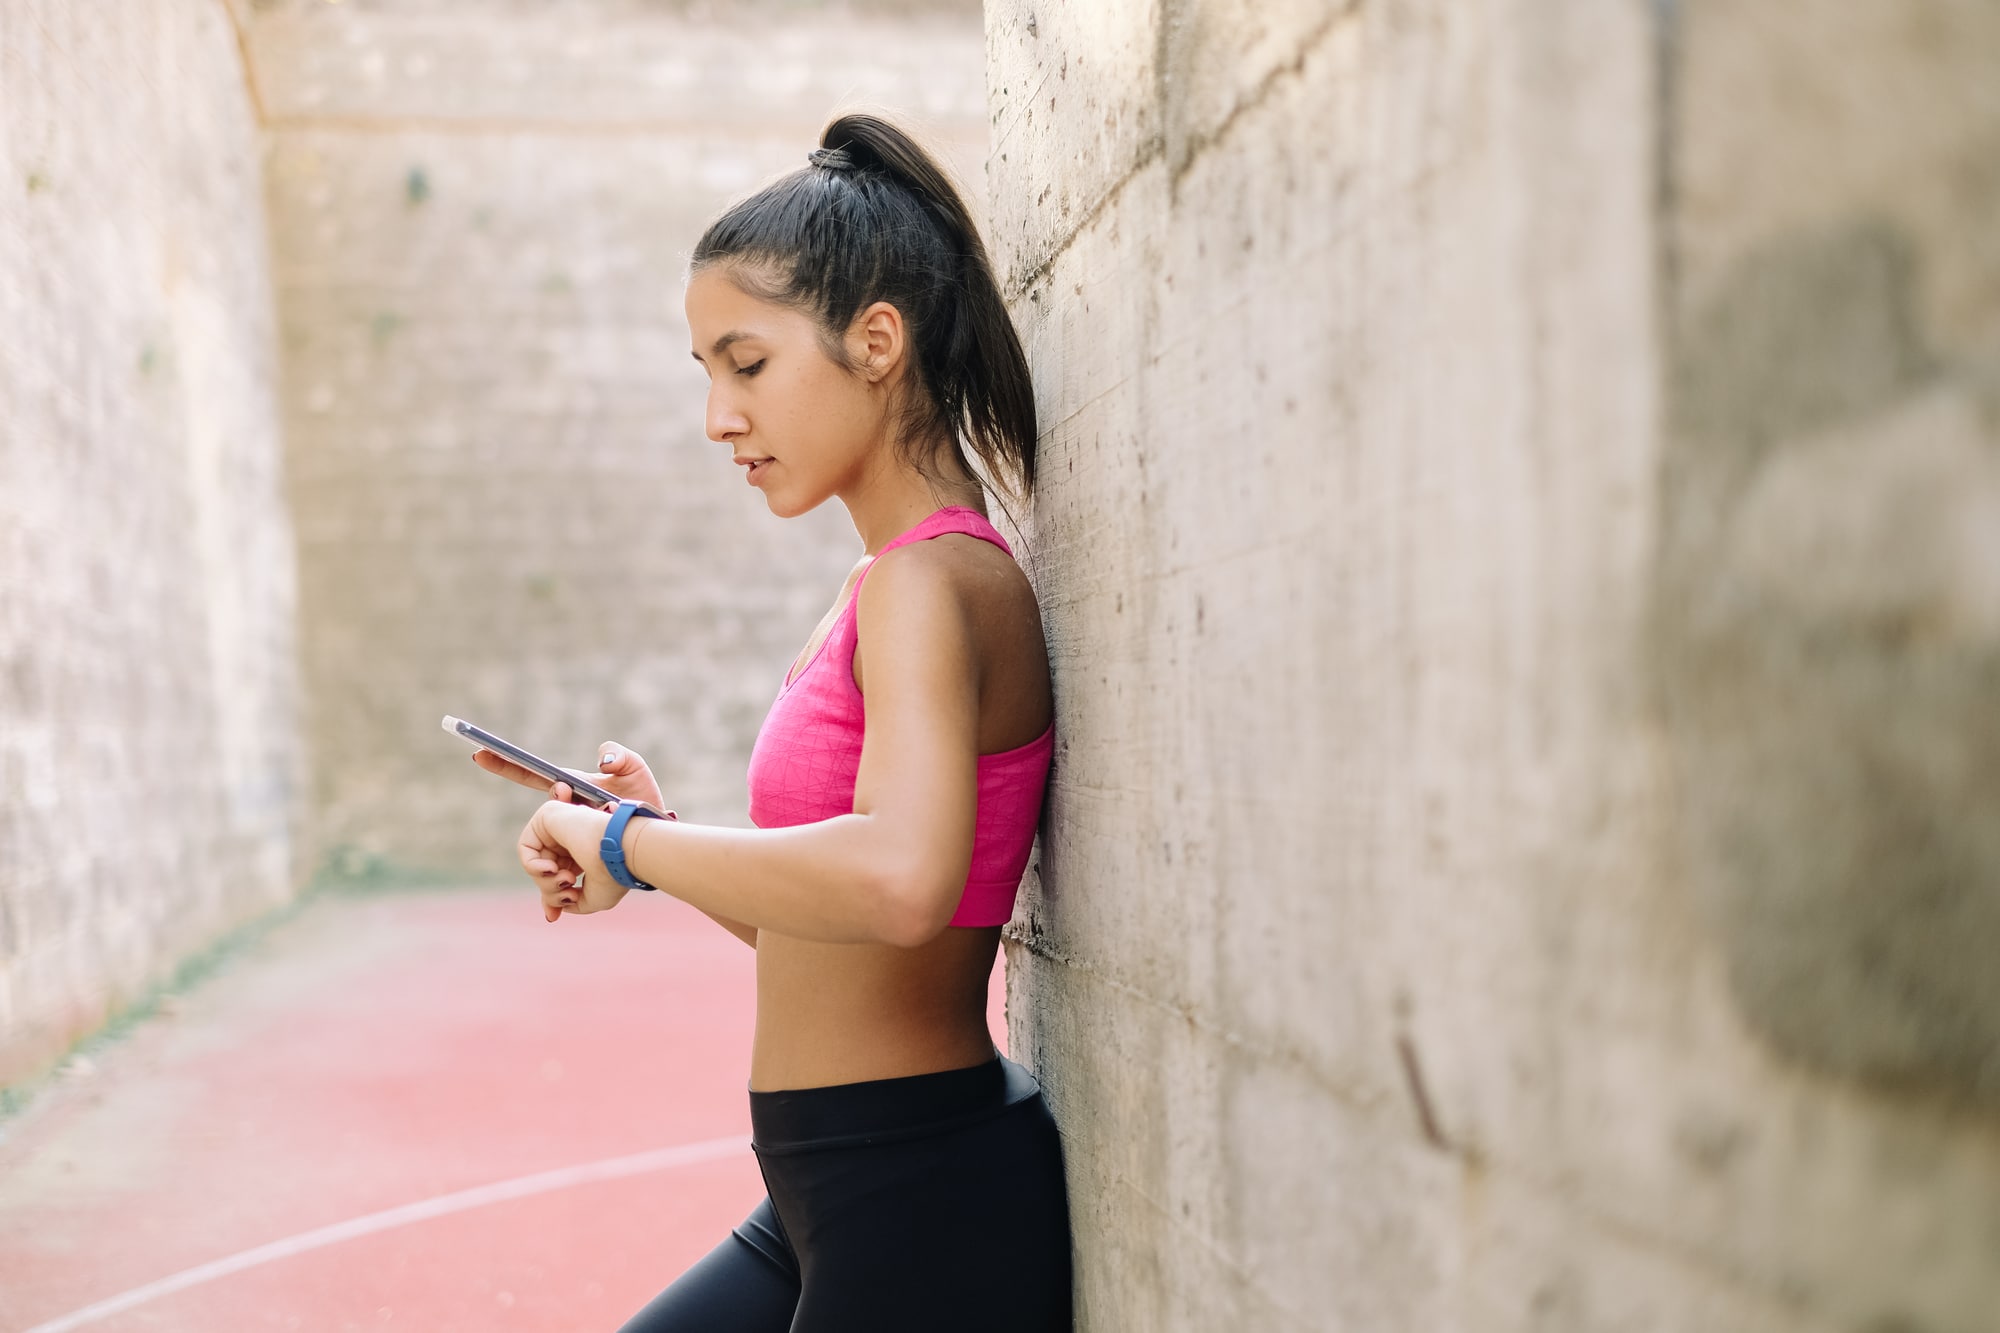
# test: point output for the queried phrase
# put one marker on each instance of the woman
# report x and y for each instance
(855, 343)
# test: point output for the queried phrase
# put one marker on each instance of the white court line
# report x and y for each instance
(659, 1159)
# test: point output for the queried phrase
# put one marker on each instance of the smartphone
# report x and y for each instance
(588, 792)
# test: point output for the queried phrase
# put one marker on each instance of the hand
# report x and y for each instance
(620, 771)
(558, 849)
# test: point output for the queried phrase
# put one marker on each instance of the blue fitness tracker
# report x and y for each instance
(612, 849)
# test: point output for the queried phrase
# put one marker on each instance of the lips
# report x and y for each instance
(755, 467)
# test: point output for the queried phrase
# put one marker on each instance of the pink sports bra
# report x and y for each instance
(809, 749)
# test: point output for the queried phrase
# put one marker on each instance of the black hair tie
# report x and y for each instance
(833, 159)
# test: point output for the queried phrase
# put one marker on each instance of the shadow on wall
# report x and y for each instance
(1829, 624)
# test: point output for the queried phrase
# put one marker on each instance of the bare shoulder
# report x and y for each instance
(974, 577)
(967, 592)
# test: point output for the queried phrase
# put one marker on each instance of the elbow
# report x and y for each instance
(916, 906)
(914, 882)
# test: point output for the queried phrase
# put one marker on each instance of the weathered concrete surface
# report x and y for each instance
(1373, 961)
(506, 506)
(149, 752)
(1831, 567)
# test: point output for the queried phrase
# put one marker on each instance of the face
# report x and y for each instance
(805, 427)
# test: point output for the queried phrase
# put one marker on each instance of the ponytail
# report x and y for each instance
(874, 218)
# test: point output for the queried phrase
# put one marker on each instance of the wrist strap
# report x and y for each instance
(611, 848)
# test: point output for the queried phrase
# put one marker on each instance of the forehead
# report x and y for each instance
(716, 304)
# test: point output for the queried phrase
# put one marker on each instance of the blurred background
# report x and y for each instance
(504, 503)
(347, 386)
(1519, 535)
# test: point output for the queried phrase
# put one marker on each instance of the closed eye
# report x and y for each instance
(752, 368)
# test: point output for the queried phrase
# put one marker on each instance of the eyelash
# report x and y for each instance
(752, 368)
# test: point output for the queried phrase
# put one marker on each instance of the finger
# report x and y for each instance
(556, 874)
(614, 760)
(505, 768)
(563, 792)
(509, 770)
(576, 795)
(558, 899)
(540, 855)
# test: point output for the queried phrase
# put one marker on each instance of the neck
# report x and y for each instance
(896, 498)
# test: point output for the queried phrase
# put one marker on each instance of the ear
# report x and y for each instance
(877, 342)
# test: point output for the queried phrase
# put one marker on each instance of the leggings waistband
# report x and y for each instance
(886, 1109)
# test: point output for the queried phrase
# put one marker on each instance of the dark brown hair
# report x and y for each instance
(874, 218)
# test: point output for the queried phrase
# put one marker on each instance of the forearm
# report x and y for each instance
(841, 880)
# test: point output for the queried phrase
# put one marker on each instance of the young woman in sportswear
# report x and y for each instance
(856, 344)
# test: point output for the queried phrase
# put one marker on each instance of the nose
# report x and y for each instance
(725, 419)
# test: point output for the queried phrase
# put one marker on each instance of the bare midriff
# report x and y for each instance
(847, 1013)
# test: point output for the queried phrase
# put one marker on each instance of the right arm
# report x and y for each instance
(622, 773)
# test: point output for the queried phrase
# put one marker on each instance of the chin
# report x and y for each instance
(790, 506)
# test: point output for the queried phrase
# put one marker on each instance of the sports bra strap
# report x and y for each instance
(841, 637)
(953, 518)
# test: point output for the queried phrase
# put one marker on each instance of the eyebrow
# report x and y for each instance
(722, 344)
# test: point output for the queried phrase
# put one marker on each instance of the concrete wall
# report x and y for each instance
(1830, 571)
(149, 753)
(506, 506)
(1517, 543)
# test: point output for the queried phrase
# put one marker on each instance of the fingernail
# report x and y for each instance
(609, 759)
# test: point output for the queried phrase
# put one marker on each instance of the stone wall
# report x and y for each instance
(1518, 545)
(506, 506)
(149, 755)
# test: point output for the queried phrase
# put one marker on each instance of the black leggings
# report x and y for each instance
(923, 1203)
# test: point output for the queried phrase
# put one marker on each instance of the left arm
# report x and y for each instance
(892, 871)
